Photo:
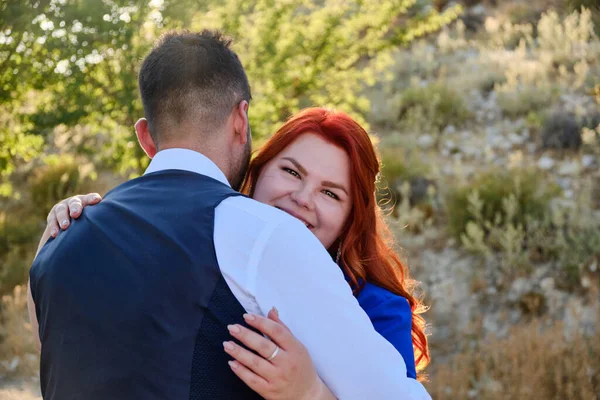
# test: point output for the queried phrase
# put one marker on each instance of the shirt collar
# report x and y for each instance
(186, 160)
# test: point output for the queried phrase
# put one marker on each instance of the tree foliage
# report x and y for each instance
(73, 64)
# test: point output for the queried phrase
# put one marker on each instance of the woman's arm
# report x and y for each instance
(392, 318)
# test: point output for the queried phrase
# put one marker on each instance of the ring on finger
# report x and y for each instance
(274, 353)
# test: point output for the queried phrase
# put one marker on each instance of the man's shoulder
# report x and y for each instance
(243, 206)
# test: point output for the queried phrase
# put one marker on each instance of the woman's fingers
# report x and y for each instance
(278, 333)
(61, 211)
(90, 199)
(274, 315)
(250, 360)
(77, 203)
(255, 382)
(253, 340)
(52, 227)
(61, 214)
(75, 206)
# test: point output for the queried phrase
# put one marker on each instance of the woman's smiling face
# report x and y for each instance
(309, 179)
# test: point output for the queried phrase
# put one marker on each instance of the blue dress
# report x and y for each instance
(392, 318)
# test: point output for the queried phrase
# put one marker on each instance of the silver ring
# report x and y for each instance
(274, 353)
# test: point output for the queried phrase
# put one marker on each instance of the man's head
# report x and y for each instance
(195, 94)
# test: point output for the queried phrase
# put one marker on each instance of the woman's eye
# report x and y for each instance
(291, 172)
(331, 194)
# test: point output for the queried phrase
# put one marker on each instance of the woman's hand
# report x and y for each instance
(283, 369)
(60, 215)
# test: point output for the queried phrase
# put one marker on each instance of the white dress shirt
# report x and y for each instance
(269, 258)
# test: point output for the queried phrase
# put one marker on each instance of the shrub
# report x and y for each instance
(561, 131)
(520, 101)
(592, 5)
(570, 39)
(434, 106)
(18, 238)
(398, 169)
(18, 354)
(405, 189)
(61, 177)
(494, 216)
(596, 93)
(398, 164)
(534, 361)
(486, 200)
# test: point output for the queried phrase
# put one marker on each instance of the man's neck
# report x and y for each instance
(208, 151)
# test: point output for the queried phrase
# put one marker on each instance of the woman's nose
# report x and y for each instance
(303, 197)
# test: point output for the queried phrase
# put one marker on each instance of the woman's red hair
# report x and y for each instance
(366, 241)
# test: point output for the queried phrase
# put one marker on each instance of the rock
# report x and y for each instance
(479, 9)
(547, 284)
(545, 163)
(519, 287)
(450, 129)
(588, 161)
(491, 385)
(466, 135)
(490, 324)
(564, 183)
(515, 316)
(425, 141)
(12, 365)
(586, 282)
(471, 151)
(579, 316)
(515, 139)
(450, 145)
(569, 168)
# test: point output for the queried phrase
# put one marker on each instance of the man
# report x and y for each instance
(135, 300)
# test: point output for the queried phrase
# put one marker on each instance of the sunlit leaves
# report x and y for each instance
(82, 58)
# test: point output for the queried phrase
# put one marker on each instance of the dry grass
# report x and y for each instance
(18, 354)
(27, 392)
(535, 361)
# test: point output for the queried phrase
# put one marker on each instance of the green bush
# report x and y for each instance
(396, 164)
(487, 198)
(592, 5)
(18, 239)
(525, 100)
(61, 177)
(435, 107)
(580, 248)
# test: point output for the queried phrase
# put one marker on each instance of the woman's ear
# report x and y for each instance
(144, 137)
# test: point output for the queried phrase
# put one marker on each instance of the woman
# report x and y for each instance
(303, 164)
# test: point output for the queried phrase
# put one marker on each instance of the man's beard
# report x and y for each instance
(242, 167)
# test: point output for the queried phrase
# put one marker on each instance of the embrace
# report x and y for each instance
(216, 277)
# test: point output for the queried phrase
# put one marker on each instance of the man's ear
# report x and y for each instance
(240, 122)
(143, 135)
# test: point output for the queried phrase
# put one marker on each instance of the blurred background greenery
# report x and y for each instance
(487, 121)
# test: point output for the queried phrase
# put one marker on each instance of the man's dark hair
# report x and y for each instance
(191, 75)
